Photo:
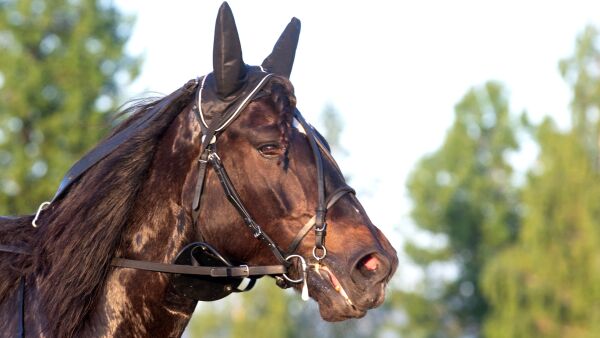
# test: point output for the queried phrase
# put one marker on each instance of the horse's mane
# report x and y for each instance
(78, 234)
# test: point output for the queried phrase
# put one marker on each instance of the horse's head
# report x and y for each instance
(286, 179)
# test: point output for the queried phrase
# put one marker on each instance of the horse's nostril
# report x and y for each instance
(370, 262)
(373, 267)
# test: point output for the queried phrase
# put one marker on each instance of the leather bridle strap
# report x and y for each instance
(211, 271)
(321, 210)
(331, 200)
(210, 132)
(235, 200)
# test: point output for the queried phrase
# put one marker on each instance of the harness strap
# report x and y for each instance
(212, 271)
(112, 143)
(321, 210)
(202, 163)
(333, 198)
(235, 200)
(209, 134)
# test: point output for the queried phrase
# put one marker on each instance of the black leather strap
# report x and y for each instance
(212, 271)
(331, 200)
(235, 200)
(112, 143)
(321, 210)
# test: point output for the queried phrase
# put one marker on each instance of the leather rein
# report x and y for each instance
(209, 156)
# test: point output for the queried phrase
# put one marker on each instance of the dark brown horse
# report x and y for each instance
(138, 201)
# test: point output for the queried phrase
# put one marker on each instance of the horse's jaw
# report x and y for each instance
(334, 295)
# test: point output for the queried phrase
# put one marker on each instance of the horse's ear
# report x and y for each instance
(228, 65)
(281, 59)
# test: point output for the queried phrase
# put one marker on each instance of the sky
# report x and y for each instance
(393, 70)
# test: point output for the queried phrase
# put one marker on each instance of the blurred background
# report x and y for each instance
(470, 130)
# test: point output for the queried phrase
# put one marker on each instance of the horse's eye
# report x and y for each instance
(271, 150)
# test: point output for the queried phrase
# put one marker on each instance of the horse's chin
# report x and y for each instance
(334, 303)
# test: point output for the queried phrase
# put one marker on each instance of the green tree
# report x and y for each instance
(548, 283)
(62, 66)
(464, 193)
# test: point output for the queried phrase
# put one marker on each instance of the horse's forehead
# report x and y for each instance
(259, 113)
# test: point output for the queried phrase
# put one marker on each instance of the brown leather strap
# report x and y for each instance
(212, 271)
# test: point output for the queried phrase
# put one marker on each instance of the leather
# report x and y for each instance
(331, 200)
(201, 273)
(233, 80)
(109, 145)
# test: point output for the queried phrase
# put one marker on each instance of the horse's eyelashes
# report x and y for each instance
(271, 150)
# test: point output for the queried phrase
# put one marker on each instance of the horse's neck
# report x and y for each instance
(135, 302)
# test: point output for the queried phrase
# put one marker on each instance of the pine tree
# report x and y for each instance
(464, 193)
(62, 66)
(548, 284)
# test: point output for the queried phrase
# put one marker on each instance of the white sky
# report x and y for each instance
(393, 69)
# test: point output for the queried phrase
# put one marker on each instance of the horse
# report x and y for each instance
(192, 197)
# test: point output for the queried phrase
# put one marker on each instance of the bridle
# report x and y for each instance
(223, 270)
(209, 155)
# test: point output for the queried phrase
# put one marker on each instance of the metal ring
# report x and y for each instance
(317, 257)
(303, 262)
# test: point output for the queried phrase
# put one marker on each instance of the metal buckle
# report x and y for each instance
(246, 271)
(213, 156)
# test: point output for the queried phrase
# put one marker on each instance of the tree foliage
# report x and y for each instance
(464, 192)
(548, 284)
(62, 66)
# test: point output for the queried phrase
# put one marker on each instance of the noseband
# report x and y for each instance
(201, 272)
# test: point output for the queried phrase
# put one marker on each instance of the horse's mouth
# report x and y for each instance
(338, 305)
